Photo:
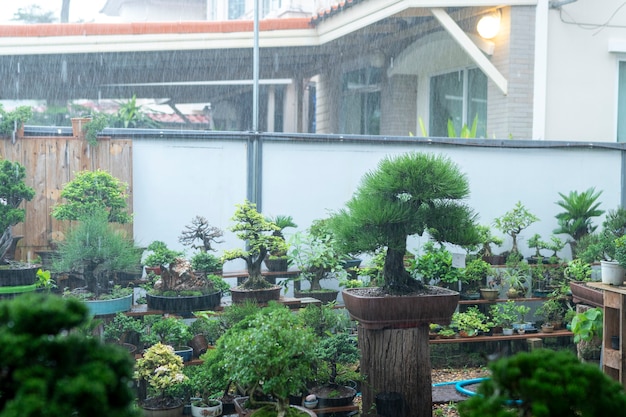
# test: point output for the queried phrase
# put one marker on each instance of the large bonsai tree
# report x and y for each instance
(258, 233)
(90, 191)
(13, 191)
(51, 368)
(407, 195)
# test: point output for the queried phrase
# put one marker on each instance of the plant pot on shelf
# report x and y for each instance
(332, 395)
(185, 352)
(489, 294)
(208, 411)
(176, 410)
(547, 328)
(277, 264)
(612, 272)
(261, 296)
(112, 306)
(325, 296)
(184, 305)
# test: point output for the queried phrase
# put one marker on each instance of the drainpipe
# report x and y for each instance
(540, 71)
(255, 149)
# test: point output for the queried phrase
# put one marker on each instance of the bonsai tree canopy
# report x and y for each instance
(258, 233)
(90, 191)
(514, 221)
(13, 191)
(406, 195)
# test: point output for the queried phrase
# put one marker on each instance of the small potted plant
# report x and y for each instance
(159, 256)
(316, 254)
(258, 233)
(200, 235)
(503, 316)
(516, 275)
(277, 260)
(522, 325)
(513, 222)
(124, 330)
(435, 266)
(471, 322)
(587, 327)
(159, 370)
(536, 243)
(474, 277)
(487, 239)
(170, 331)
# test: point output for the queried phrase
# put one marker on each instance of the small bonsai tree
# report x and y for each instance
(13, 191)
(258, 233)
(406, 195)
(475, 274)
(51, 368)
(513, 222)
(282, 222)
(170, 331)
(201, 235)
(337, 349)
(547, 383)
(270, 352)
(576, 220)
(160, 255)
(601, 246)
(486, 239)
(90, 191)
(96, 250)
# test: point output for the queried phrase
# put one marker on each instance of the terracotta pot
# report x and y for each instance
(174, 411)
(401, 311)
(489, 294)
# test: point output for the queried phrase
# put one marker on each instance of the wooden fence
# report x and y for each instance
(50, 163)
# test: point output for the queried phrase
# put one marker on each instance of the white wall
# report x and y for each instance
(175, 180)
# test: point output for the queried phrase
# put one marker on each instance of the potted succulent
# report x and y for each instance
(258, 233)
(513, 222)
(93, 251)
(316, 254)
(516, 275)
(270, 353)
(408, 194)
(277, 260)
(157, 371)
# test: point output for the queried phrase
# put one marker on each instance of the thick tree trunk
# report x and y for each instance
(397, 360)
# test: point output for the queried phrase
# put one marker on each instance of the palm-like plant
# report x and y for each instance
(580, 209)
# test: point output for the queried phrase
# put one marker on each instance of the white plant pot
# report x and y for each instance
(612, 273)
(206, 411)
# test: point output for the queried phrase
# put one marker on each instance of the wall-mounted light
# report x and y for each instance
(489, 25)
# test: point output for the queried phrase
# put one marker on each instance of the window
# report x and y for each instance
(360, 107)
(236, 9)
(460, 96)
(621, 103)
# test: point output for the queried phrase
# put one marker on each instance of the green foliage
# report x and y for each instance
(436, 265)
(472, 320)
(486, 239)
(317, 255)
(336, 349)
(13, 190)
(545, 383)
(251, 227)
(219, 284)
(322, 319)
(168, 330)
(514, 221)
(206, 325)
(601, 246)
(206, 262)
(235, 313)
(476, 271)
(536, 242)
(620, 250)
(97, 124)
(271, 352)
(91, 191)
(504, 314)
(580, 209)
(406, 195)
(95, 249)
(50, 368)
(552, 310)
(160, 254)
(588, 325)
(160, 368)
(578, 270)
(119, 328)
(45, 280)
(466, 132)
(13, 120)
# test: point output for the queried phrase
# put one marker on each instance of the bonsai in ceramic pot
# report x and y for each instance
(258, 233)
(486, 239)
(408, 194)
(475, 276)
(277, 260)
(316, 254)
(513, 222)
(201, 236)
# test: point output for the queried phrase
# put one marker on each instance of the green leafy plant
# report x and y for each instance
(270, 352)
(435, 264)
(45, 280)
(168, 330)
(337, 349)
(283, 222)
(486, 239)
(160, 255)
(251, 227)
(406, 195)
(472, 320)
(545, 383)
(475, 274)
(161, 369)
(13, 191)
(503, 314)
(576, 220)
(588, 325)
(119, 329)
(206, 262)
(601, 246)
(578, 270)
(92, 191)
(514, 221)
(207, 325)
(13, 120)
(466, 132)
(538, 244)
(551, 310)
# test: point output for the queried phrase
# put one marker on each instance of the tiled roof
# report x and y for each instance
(337, 7)
(175, 118)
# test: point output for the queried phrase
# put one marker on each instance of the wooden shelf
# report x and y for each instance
(500, 337)
(500, 300)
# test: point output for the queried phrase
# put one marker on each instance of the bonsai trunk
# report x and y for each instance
(397, 278)
(5, 242)
(255, 278)
(397, 360)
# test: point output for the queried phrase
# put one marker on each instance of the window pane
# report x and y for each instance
(446, 103)
(360, 106)
(477, 101)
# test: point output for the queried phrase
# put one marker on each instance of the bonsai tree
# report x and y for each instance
(13, 191)
(282, 222)
(406, 195)
(337, 349)
(88, 378)
(601, 246)
(538, 244)
(471, 321)
(95, 250)
(576, 220)
(513, 222)
(486, 239)
(159, 370)
(10, 121)
(503, 314)
(160, 255)
(435, 265)
(552, 311)
(474, 274)
(258, 233)
(548, 383)
(91, 191)
(169, 330)
(201, 235)
(316, 254)
(269, 352)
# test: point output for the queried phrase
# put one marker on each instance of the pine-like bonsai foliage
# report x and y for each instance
(90, 191)
(545, 383)
(13, 191)
(48, 370)
(407, 195)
